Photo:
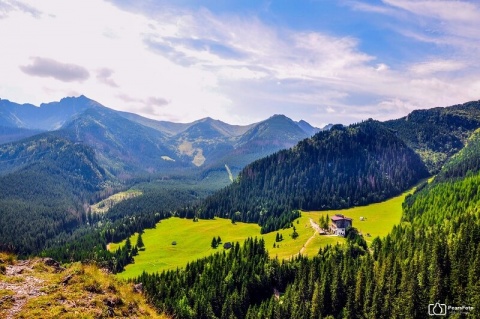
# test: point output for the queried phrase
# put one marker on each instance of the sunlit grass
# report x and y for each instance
(193, 239)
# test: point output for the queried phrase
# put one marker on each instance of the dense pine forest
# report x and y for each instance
(438, 133)
(46, 194)
(433, 256)
(48, 182)
(340, 168)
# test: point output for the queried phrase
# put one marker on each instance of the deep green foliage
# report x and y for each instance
(344, 167)
(220, 286)
(434, 257)
(464, 163)
(44, 196)
(438, 133)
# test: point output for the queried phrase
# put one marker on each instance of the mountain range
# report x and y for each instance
(128, 145)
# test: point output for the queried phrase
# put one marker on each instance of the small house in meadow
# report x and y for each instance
(339, 224)
(227, 245)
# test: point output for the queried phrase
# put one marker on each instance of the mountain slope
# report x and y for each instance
(307, 128)
(432, 258)
(48, 180)
(128, 145)
(340, 168)
(438, 133)
(46, 117)
(12, 134)
(453, 192)
(122, 146)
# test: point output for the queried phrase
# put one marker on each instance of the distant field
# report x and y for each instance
(104, 205)
(193, 239)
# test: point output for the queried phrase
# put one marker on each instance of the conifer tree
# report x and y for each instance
(214, 243)
(140, 243)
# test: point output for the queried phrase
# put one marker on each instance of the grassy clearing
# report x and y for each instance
(193, 241)
(379, 218)
(194, 238)
(107, 203)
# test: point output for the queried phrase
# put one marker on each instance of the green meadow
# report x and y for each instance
(193, 239)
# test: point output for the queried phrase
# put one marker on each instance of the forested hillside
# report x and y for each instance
(44, 194)
(438, 133)
(340, 168)
(432, 257)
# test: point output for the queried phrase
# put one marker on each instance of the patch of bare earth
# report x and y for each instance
(18, 280)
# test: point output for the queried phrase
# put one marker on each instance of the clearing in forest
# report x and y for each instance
(193, 239)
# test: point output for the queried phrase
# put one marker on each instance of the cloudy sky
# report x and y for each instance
(325, 61)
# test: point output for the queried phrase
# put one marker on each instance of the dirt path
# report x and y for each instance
(306, 244)
(315, 226)
(22, 284)
(316, 229)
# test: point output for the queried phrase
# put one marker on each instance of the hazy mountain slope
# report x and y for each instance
(129, 145)
(166, 127)
(172, 128)
(46, 117)
(11, 134)
(262, 139)
(343, 167)
(307, 128)
(122, 146)
(49, 181)
(438, 133)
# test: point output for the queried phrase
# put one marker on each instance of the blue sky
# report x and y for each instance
(323, 61)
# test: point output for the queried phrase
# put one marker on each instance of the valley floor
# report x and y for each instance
(193, 239)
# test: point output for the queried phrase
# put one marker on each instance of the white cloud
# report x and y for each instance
(182, 65)
(449, 10)
(104, 75)
(44, 67)
(437, 66)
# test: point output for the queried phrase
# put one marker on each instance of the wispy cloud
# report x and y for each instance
(104, 75)
(45, 67)
(7, 6)
(437, 66)
(184, 63)
(157, 101)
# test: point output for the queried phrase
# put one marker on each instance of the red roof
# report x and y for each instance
(339, 217)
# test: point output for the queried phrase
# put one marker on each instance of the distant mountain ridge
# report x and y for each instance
(127, 144)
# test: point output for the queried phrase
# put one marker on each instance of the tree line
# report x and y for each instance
(433, 256)
(340, 168)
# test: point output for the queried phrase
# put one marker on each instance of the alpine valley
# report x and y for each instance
(85, 186)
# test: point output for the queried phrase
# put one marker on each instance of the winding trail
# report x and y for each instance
(316, 230)
(306, 244)
(22, 284)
